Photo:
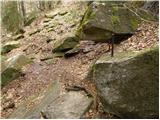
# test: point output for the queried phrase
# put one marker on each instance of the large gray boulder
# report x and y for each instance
(11, 68)
(103, 19)
(128, 83)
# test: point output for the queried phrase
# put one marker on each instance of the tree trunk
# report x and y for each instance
(23, 11)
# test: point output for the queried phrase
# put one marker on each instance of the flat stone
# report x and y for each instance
(34, 32)
(72, 105)
(17, 37)
(39, 101)
(72, 52)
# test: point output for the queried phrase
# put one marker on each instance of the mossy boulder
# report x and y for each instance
(11, 68)
(19, 31)
(65, 43)
(102, 20)
(17, 37)
(128, 83)
(9, 46)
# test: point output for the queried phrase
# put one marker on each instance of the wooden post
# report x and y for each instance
(112, 49)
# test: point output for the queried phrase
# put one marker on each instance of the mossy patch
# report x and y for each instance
(9, 46)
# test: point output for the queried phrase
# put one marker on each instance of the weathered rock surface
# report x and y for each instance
(102, 20)
(51, 105)
(9, 46)
(128, 83)
(67, 42)
(72, 52)
(32, 107)
(34, 32)
(11, 68)
(51, 14)
(29, 19)
(72, 105)
(17, 37)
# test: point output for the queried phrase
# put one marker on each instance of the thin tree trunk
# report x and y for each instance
(23, 11)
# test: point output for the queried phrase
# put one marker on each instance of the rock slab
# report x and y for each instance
(128, 83)
(72, 105)
(33, 106)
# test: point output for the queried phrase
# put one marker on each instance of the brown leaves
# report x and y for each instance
(145, 37)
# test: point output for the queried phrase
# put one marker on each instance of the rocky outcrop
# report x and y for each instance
(103, 20)
(65, 43)
(128, 83)
(26, 110)
(9, 46)
(51, 104)
(11, 68)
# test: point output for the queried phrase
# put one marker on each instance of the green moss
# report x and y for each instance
(115, 19)
(11, 68)
(134, 23)
(88, 15)
(8, 75)
(137, 3)
(9, 46)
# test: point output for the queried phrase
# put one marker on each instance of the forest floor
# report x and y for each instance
(69, 71)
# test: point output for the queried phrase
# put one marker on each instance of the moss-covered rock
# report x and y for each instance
(11, 68)
(128, 83)
(9, 46)
(65, 43)
(72, 52)
(34, 32)
(46, 20)
(103, 19)
(51, 14)
(29, 19)
(62, 13)
(17, 37)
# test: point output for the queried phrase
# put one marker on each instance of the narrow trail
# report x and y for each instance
(69, 71)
